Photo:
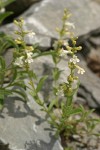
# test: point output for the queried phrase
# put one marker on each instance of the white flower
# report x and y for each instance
(60, 93)
(2, 10)
(29, 57)
(55, 45)
(29, 54)
(69, 24)
(80, 70)
(74, 59)
(65, 43)
(19, 61)
(63, 52)
(29, 61)
(31, 34)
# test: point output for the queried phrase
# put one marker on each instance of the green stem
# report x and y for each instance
(69, 100)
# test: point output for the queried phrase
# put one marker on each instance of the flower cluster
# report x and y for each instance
(20, 61)
(26, 52)
(69, 24)
(80, 70)
(74, 59)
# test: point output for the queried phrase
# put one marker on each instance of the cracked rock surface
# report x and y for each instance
(24, 127)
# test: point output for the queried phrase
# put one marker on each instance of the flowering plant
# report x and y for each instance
(10, 76)
(63, 116)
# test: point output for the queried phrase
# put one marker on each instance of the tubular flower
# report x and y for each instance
(80, 70)
(74, 59)
(69, 24)
(29, 57)
(19, 61)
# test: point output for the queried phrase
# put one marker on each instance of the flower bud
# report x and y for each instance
(70, 78)
(16, 22)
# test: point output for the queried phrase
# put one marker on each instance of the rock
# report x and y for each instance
(43, 42)
(90, 87)
(43, 18)
(50, 10)
(93, 61)
(20, 5)
(25, 128)
(95, 41)
(8, 56)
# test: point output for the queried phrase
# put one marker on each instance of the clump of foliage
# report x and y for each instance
(14, 74)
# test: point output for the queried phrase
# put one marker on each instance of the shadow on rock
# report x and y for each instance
(41, 145)
(16, 108)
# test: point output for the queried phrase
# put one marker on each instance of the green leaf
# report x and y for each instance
(40, 84)
(69, 100)
(7, 2)
(14, 77)
(55, 90)
(21, 84)
(6, 42)
(4, 46)
(11, 41)
(4, 92)
(5, 15)
(76, 111)
(1, 95)
(20, 93)
(55, 58)
(32, 74)
(2, 63)
(56, 73)
(1, 103)
(52, 103)
(67, 110)
(22, 74)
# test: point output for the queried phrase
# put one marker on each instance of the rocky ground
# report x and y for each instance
(25, 128)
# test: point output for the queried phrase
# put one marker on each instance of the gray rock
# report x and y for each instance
(90, 87)
(20, 5)
(45, 16)
(8, 56)
(95, 40)
(25, 128)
